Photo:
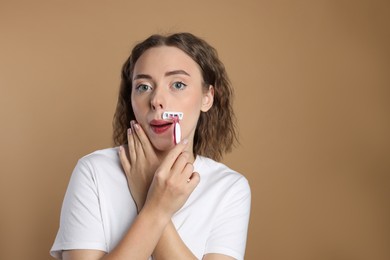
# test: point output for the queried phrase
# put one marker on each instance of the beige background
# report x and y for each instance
(312, 81)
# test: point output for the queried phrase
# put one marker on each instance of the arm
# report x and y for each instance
(84, 254)
(171, 246)
(141, 239)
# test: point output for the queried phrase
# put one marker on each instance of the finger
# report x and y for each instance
(143, 139)
(131, 146)
(193, 180)
(124, 160)
(187, 172)
(132, 123)
(181, 163)
(137, 143)
(173, 154)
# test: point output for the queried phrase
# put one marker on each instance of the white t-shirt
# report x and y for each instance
(98, 208)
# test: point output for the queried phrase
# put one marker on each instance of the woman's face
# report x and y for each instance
(167, 79)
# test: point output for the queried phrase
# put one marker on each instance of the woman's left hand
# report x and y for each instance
(139, 163)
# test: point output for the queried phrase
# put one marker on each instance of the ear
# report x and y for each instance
(207, 99)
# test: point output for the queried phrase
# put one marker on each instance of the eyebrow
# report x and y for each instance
(142, 76)
(169, 73)
(175, 72)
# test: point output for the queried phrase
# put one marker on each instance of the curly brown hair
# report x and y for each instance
(216, 131)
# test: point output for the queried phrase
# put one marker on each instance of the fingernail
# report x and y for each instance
(136, 126)
(129, 131)
(185, 141)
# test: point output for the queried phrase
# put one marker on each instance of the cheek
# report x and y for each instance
(138, 105)
(193, 101)
(191, 113)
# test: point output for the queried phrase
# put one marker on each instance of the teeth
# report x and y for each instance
(167, 115)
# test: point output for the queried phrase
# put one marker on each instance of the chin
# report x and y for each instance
(163, 145)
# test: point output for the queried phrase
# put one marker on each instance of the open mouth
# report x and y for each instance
(161, 127)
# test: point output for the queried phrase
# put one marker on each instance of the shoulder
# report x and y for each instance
(104, 155)
(101, 158)
(98, 163)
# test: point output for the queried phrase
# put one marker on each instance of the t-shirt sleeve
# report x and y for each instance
(81, 224)
(229, 233)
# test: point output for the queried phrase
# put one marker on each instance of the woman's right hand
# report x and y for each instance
(173, 181)
(139, 162)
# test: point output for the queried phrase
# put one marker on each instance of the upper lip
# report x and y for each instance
(159, 122)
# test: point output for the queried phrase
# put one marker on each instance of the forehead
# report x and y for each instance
(163, 59)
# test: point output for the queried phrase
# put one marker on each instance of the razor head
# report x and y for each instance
(167, 115)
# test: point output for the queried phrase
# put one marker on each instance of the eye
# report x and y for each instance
(179, 85)
(143, 88)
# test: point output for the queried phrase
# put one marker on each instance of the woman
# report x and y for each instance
(182, 204)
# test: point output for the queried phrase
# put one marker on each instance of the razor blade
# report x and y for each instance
(167, 115)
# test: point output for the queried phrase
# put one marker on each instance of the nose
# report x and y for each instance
(158, 100)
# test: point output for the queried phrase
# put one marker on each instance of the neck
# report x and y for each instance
(162, 154)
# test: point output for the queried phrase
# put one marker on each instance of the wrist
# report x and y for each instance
(159, 216)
